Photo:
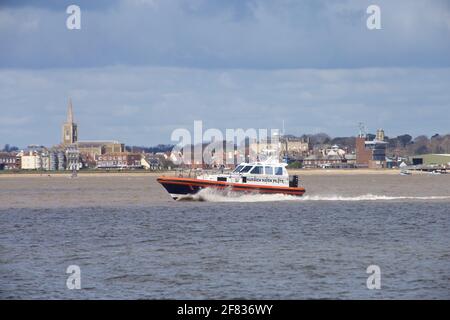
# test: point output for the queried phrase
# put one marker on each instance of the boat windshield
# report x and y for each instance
(268, 170)
(246, 169)
(238, 168)
(257, 170)
(279, 171)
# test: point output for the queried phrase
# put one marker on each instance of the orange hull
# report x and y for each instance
(181, 186)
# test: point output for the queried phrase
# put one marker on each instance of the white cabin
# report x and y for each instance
(259, 173)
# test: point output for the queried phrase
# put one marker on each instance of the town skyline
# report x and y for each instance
(374, 151)
(72, 115)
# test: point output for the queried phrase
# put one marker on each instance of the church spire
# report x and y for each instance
(69, 128)
(70, 112)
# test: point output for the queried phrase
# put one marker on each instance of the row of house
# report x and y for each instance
(39, 158)
(9, 161)
(71, 158)
(367, 154)
(119, 160)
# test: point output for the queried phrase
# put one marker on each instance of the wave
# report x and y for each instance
(216, 195)
(370, 197)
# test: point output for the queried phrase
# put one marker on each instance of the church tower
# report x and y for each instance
(69, 129)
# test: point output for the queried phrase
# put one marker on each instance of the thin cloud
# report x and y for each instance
(227, 34)
(142, 105)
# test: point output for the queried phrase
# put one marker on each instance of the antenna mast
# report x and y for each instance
(362, 130)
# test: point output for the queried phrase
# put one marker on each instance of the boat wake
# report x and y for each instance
(215, 195)
(371, 197)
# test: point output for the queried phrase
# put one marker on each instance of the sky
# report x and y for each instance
(139, 69)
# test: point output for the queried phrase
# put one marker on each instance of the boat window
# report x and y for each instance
(257, 170)
(246, 169)
(268, 170)
(279, 171)
(238, 168)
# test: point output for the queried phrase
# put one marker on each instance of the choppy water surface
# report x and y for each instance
(132, 241)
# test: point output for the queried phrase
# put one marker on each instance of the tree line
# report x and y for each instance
(401, 145)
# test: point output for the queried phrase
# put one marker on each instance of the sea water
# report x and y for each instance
(131, 241)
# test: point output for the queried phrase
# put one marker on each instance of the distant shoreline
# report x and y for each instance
(313, 172)
(87, 173)
(142, 173)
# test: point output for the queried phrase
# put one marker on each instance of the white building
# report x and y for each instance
(335, 151)
(31, 161)
(45, 161)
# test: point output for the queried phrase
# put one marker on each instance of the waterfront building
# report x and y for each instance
(351, 159)
(157, 161)
(72, 158)
(61, 160)
(290, 147)
(335, 150)
(53, 159)
(96, 148)
(50, 160)
(328, 161)
(371, 154)
(294, 147)
(8, 161)
(431, 160)
(119, 160)
(151, 162)
(31, 160)
(45, 160)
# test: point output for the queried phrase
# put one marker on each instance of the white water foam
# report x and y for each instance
(216, 195)
(370, 197)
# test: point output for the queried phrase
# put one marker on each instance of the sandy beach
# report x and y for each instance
(85, 174)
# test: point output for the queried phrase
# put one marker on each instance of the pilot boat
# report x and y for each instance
(257, 177)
